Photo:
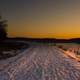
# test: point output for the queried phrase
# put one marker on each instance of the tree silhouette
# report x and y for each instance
(3, 31)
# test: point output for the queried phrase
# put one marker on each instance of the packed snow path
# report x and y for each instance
(40, 63)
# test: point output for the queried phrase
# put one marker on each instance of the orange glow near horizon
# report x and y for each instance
(50, 35)
(43, 18)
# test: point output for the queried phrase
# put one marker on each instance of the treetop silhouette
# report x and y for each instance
(3, 29)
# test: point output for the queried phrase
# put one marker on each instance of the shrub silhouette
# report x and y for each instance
(3, 31)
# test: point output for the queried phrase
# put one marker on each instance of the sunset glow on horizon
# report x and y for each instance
(42, 18)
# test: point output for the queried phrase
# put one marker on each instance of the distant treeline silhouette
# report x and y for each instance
(47, 40)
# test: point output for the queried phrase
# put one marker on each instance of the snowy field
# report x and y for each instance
(40, 62)
(72, 49)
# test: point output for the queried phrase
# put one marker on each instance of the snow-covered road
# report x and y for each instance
(40, 63)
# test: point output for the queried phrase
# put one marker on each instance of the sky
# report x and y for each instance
(42, 18)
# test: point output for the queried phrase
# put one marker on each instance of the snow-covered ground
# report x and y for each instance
(40, 63)
(71, 49)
